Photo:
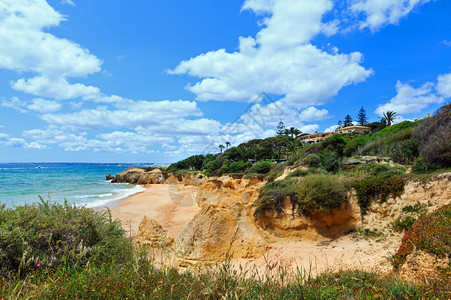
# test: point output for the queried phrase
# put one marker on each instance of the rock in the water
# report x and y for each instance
(150, 233)
(140, 176)
(109, 177)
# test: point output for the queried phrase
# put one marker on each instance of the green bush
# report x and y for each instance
(50, 235)
(320, 192)
(377, 188)
(312, 160)
(404, 223)
(234, 167)
(310, 193)
(262, 167)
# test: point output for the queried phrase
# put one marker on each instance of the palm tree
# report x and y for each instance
(294, 132)
(227, 144)
(389, 117)
(221, 147)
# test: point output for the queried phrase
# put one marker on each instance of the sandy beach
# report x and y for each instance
(172, 206)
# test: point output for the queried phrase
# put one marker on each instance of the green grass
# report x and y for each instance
(314, 192)
(115, 271)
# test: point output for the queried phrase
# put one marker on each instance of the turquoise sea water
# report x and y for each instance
(79, 183)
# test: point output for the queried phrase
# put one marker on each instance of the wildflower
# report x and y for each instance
(38, 265)
(337, 280)
(396, 252)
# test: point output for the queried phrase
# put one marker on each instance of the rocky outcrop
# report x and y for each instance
(225, 223)
(150, 233)
(140, 176)
(421, 266)
(224, 226)
(432, 193)
(315, 226)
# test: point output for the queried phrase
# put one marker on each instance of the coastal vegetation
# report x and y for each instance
(82, 254)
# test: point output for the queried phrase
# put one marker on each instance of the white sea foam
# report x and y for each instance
(117, 195)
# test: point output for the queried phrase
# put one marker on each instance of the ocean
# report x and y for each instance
(82, 184)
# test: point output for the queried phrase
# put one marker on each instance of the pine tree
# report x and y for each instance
(361, 117)
(280, 128)
(348, 121)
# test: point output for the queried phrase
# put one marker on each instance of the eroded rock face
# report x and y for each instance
(317, 225)
(433, 194)
(420, 266)
(223, 226)
(150, 233)
(140, 176)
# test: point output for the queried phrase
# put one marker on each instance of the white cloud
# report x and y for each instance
(331, 128)
(312, 114)
(44, 106)
(57, 88)
(14, 103)
(409, 99)
(68, 2)
(131, 114)
(25, 47)
(258, 6)
(444, 85)
(379, 13)
(280, 60)
(446, 43)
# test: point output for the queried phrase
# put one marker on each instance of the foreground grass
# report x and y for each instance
(81, 254)
(139, 279)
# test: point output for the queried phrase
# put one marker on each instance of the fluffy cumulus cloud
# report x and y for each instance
(132, 114)
(409, 99)
(444, 85)
(52, 59)
(280, 60)
(44, 106)
(313, 114)
(379, 13)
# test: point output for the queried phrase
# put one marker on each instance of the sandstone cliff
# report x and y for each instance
(225, 223)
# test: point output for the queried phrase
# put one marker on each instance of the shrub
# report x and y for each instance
(320, 192)
(310, 193)
(434, 135)
(262, 167)
(404, 223)
(50, 235)
(312, 160)
(235, 167)
(377, 187)
(430, 233)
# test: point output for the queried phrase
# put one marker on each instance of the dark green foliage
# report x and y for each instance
(409, 216)
(434, 136)
(377, 188)
(310, 193)
(234, 167)
(280, 128)
(376, 126)
(347, 121)
(312, 160)
(49, 236)
(354, 144)
(194, 162)
(404, 223)
(262, 167)
(361, 117)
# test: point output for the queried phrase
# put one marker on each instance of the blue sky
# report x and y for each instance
(156, 81)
